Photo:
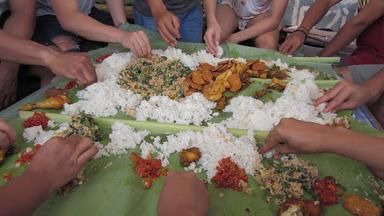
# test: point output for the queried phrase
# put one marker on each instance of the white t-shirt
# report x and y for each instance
(43, 7)
(3, 6)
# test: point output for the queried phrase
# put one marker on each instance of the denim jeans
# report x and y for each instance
(191, 24)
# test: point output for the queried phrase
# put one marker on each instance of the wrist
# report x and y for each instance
(161, 10)
(35, 178)
(47, 57)
(334, 139)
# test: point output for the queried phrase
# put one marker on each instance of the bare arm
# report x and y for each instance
(157, 7)
(315, 13)
(55, 164)
(354, 27)
(116, 8)
(71, 18)
(294, 136)
(21, 21)
(275, 15)
(213, 33)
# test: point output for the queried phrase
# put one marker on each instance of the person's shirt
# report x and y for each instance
(43, 7)
(174, 6)
(3, 6)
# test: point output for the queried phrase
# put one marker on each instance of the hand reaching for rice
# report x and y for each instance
(168, 26)
(294, 136)
(344, 95)
(7, 134)
(61, 159)
(137, 42)
(292, 43)
(212, 38)
(75, 66)
(183, 194)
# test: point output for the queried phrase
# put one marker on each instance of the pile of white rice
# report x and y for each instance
(296, 102)
(193, 109)
(37, 135)
(215, 143)
(122, 138)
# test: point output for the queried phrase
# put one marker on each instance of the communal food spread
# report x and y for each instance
(179, 111)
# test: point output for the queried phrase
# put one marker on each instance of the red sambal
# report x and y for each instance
(230, 175)
(102, 58)
(37, 119)
(327, 190)
(27, 155)
(148, 169)
(70, 85)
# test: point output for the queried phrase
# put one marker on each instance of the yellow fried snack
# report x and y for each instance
(194, 85)
(207, 75)
(55, 102)
(213, 92)
(220, 104)
(234, 82)
(188, 156)
(361, 207)
(197, 77)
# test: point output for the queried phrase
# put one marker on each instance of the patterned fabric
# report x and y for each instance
(248, 9)
(43, 7)
(362, 3)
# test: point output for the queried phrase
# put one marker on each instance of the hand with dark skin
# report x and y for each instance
(183, 194)
(294, 136)
(7, 134)
(55, 164)
(346, 95)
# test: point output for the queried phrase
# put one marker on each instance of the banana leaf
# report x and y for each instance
(112, 187)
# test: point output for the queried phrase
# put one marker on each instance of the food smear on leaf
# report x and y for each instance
(148, 169)
(230, 175)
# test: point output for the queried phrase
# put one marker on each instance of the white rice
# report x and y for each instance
(122, 138)
(103, 99)
(111, 67)
(37, 135)
(215, 143)
(194, 109)
(296, 102)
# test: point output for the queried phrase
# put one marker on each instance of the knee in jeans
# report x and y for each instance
(65, 42)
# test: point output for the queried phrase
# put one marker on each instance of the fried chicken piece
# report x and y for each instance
(361, 207)
(188, 156)
(293, 207)
(55, 102)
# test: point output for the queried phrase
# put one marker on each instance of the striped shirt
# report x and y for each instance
(363, 3)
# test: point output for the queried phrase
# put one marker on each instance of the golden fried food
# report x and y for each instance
(197, 77)
(259, 66)
(190, 155)
(277, 84)
(213, 92)
(55, 102)
(207, 75)
(205, 67)
(361, 207)
(235, 82)
(220, 104)
(300, 207)
(194, 85)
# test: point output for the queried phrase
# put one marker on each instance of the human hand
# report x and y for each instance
(233, 38)
(137, 42)
(294, 136)
(60, 159)
(292, 43)
(168, 26)
(8, 134)
(212, 38)
(183, 194)
(77, 66)
(344, 95)
(8, 83)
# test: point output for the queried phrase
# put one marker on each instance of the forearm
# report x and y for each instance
(375, 86)
(210, 11)
(116, 8)
(21, 21)
(91, 29)
(343, 38)
(156, 6)
(24, 194)
(22, 51)
(366, 149)
(316, 12)
(257, 29)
